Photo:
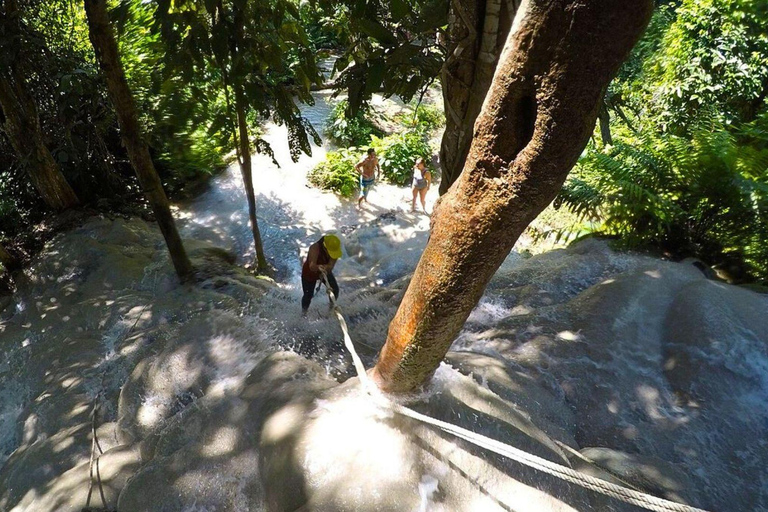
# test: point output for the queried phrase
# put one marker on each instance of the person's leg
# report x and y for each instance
(334, 285)
(413, 203)
(362, 192)
(309, 291)
(423, 194)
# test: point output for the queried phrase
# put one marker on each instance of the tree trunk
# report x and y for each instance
(7, 259)
(247, 171)
(22, 125)
(105, 46)
(539, 113)
(604, 118)
(476, 33)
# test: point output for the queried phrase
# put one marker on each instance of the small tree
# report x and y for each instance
(258, 54)
(538, 116)
(105, 46)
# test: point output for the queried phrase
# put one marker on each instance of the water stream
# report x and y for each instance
(628, 354)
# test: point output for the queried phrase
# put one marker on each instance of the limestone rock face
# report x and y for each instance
(98, 303)
(220, 396)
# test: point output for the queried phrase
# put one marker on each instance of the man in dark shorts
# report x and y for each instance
(369, 170)
(322, 257)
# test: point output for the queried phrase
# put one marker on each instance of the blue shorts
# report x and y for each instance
(365, 186)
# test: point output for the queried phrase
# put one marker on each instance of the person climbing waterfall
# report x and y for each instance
(369, 171)
(322, 257)
(422, 179)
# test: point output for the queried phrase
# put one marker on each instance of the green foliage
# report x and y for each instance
(326, 27)
(688, 170)
(702, 57)
(46, 44)
(252, 53)
(398, 153)
(351, 131)
(706, 195)
(176, 110)
(424, 117)
(392, 46)
(337, 173)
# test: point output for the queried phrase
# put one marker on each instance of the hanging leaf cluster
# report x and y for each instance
(394, 48)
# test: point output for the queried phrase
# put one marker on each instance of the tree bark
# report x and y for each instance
(247, 171)
(7, 259)
(539, 113)
(604, 119)
(104, 44)
(476, 33)
(22, 125)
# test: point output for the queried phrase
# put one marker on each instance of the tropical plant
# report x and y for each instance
(698, 57)
(346, 130)
(398, 153)
(337, 173)
(424, 117)
(706, 195)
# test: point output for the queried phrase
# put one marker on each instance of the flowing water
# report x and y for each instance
(624, 355)
(292, 215)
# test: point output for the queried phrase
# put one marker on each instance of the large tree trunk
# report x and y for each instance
(22, 125)
(105, 46)
(247, 171)
(539, 113)
(7, 259)
(477, 30)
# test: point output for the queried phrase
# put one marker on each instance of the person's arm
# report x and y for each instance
(359, 166)
(428, 177)
(314, 252)
(378, 168)
(330, 265)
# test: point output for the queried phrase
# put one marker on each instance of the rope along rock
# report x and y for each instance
(595, 484)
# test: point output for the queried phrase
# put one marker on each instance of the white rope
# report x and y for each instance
(592, 483)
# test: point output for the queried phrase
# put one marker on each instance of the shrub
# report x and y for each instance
(704, 196)
(423, 117)
(336, 173)
(354, 131)
(398, 152)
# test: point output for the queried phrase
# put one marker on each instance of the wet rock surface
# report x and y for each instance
(208, 399)
(221, 396)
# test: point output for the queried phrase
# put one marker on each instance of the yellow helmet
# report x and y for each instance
(332, 244)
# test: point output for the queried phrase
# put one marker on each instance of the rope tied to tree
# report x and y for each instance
(619, 492)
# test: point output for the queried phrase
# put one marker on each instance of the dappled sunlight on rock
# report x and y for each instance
(221, 396)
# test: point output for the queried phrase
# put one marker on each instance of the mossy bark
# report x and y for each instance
(105, 46)
(538, 116)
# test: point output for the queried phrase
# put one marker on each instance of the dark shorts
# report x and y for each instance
(420, 184)
(308, 285)
(365, 186)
